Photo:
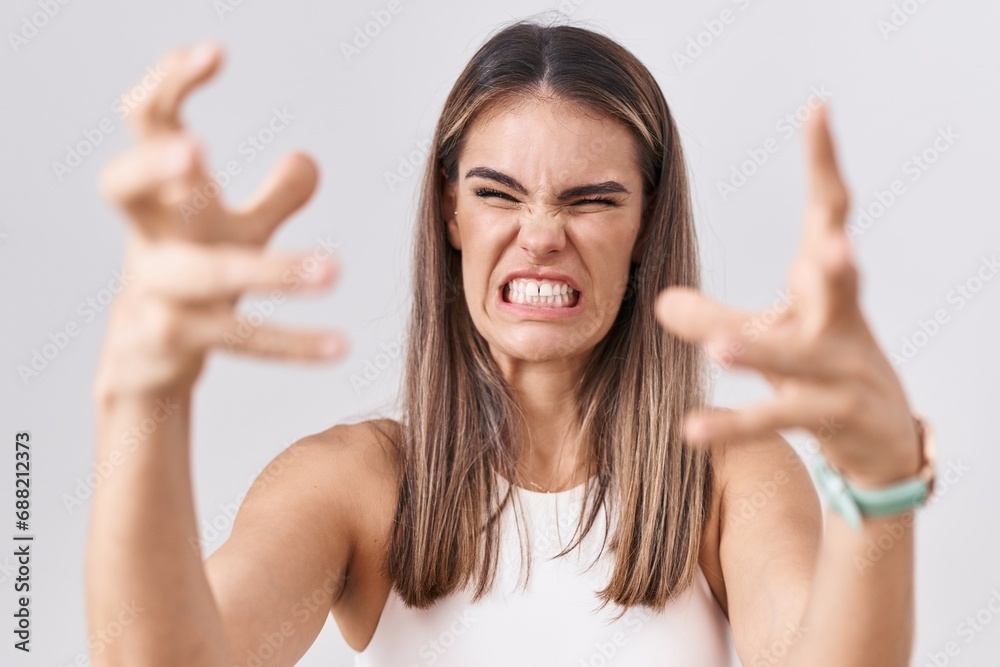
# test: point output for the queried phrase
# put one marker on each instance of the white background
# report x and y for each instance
(890, 93)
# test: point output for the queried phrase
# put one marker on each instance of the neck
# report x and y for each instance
(553, 456)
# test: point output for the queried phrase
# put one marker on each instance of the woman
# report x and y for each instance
(545, 411)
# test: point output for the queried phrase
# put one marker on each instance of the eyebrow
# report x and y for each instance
(605, 188)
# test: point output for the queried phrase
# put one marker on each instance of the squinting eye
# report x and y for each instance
(486, 192)
(600, 200)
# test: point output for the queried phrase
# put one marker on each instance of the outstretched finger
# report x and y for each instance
(245, 335)
(774, 352)
(198, 273)
(696, 317)
(287, 187)
(178, 72)
(199, 330)
(133, 179)
(826, 249)
(828, 196)
(717, 426)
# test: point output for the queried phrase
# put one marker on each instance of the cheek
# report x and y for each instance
(482, 245)
(607, 251)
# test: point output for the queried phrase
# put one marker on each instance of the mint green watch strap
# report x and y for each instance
(838, 495)
(900, 497)
(852, 502)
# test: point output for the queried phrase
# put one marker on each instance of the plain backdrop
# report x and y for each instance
(913, 94)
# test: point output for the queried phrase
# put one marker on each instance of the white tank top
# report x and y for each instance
(552, 621)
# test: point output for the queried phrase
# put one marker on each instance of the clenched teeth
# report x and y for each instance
(549, 293)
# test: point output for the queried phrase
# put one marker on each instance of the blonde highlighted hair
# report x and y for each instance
(459, 426)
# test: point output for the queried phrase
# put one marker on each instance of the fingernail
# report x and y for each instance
(332, 346)
(202, 54)
(319, 273)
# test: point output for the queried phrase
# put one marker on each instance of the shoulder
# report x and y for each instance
(349, 452)
(371, 443)
(359, 459)
(765, 509)
(313, 520)
(331, 475)
(765, 465)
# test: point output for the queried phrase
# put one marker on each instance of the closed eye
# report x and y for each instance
(487, 192)
(597, 200)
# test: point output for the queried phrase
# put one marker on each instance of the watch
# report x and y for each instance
(853, 502)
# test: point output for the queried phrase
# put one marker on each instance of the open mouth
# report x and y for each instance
(551, 294)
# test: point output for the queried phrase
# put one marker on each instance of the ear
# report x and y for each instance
(448, 207)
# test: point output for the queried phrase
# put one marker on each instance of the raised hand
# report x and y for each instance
(829, 374)
(189, 258)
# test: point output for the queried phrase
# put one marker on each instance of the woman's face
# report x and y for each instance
(549, 201)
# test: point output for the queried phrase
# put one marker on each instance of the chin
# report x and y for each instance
(545, 346)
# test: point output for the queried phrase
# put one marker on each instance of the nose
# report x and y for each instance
(542, 231)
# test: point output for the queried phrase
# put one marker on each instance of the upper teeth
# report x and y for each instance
(539, 287)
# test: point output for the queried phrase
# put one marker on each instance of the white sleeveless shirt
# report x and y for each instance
(553, 621)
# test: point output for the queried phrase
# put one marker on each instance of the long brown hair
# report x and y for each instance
(459, 426)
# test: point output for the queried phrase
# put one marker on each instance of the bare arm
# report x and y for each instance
(797, 599)
(801, 595)
(286, 562)
(188, 261)
(290, 543)
(138, 556)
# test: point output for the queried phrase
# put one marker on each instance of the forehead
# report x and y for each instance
(551, 140)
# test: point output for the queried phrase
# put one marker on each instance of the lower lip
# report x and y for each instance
(538, 312)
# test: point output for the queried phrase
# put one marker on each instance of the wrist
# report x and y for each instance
(854, 501)
(905, 463)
